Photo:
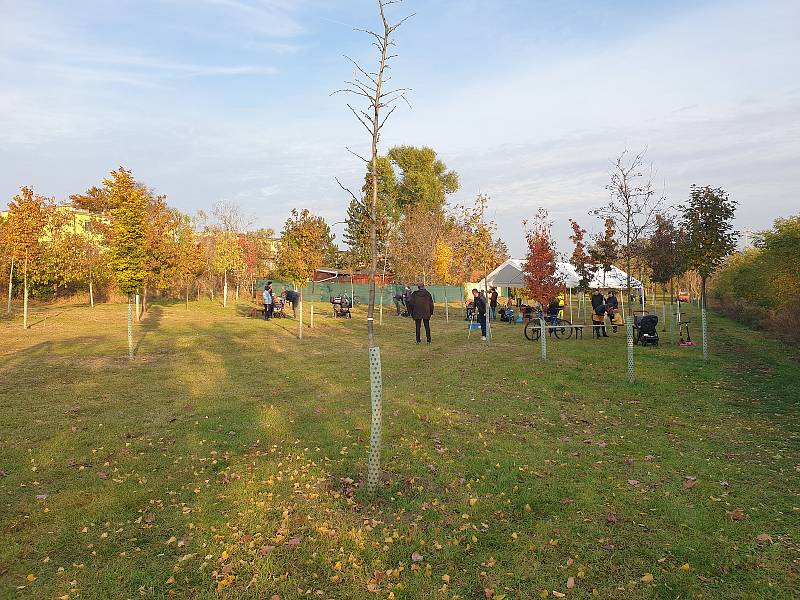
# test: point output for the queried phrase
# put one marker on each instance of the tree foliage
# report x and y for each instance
(707, 220)
(128, 258)
(580, 258)
(542, 281)
(664, 252)
(306, 244)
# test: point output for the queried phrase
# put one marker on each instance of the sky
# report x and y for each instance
(529, 101)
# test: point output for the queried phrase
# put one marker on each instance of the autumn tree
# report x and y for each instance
(413, 244)
(540, 270)
(580, 258)
(604, 251)
(707, 220)
(665, 252)
(227, 253)
(128, 236)
(27, 217)
(190, 261)
(632, 206)
(306, 244)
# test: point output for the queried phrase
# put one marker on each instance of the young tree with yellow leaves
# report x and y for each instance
(27, 217)
(306, 244)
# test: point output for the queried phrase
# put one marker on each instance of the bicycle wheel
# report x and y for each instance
(532, 330)
(563, 329)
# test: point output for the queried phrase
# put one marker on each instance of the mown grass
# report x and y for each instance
(227, 460)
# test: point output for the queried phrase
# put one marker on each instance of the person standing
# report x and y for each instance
(480, 310)
(598, 315)
(398, 303)
(493, 302)
(293, 297)
(422, 311)
(266, 298)
(612, 307)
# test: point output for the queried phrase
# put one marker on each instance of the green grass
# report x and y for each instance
(228, 448)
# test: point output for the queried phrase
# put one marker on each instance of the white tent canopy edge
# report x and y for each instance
(510, 274)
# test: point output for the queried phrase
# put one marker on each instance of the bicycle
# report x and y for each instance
(561, 328)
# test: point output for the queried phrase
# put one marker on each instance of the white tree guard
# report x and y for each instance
(130, 329)
(629, 332)
(704, 327)
(376, 393)
(543, 338)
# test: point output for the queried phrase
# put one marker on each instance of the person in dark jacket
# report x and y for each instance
(422, 310)
(598, 315)
(493, 302)
(294, 298)
(398, 303)
(480, 311)
(612, 307)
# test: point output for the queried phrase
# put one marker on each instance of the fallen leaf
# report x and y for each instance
(102, 475)
(264, 550)
(612, 518)
(764, 537)
(736, 515)
(170, 581)
(634, 482)
(558, 594)
(570, 583)
(488, 593)
(689, 482)
(647, 578)
(416, 556)
(473, 501)
(294, 542)
(446, 578)
(685, 567)
(30, 578)
(149, 517)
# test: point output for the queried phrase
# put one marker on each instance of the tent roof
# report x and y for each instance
(509, 274)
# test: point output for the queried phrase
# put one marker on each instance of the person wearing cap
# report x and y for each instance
(422, 311)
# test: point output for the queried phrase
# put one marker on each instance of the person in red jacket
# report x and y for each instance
(422, 311)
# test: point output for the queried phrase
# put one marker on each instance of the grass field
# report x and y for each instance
(227, 461)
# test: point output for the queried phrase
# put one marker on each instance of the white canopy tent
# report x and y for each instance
(510, 275)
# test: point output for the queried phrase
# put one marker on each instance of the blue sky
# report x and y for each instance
(529, 101)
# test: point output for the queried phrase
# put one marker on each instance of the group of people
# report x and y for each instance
(419, 306)
(603, 307)
(269, 300)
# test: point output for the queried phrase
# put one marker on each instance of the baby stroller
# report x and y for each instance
(646, 331)
(469, 312)
(341, 307)
(507, 314)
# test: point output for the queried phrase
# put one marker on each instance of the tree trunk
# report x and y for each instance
(91, 293)
(130, 328)
(25, 296)
(225, 291)
(137, 307)
(236, 293)
(144, 300)
(10, 286)
(187, 295)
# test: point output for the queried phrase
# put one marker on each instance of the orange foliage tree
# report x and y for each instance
(540, 271)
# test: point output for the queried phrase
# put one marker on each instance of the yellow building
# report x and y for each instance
(75, 221)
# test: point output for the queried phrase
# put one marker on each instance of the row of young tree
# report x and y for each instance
(661, 244)
(134, 244)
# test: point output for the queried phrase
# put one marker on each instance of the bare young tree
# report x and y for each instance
(633, 205)
(372, 87)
